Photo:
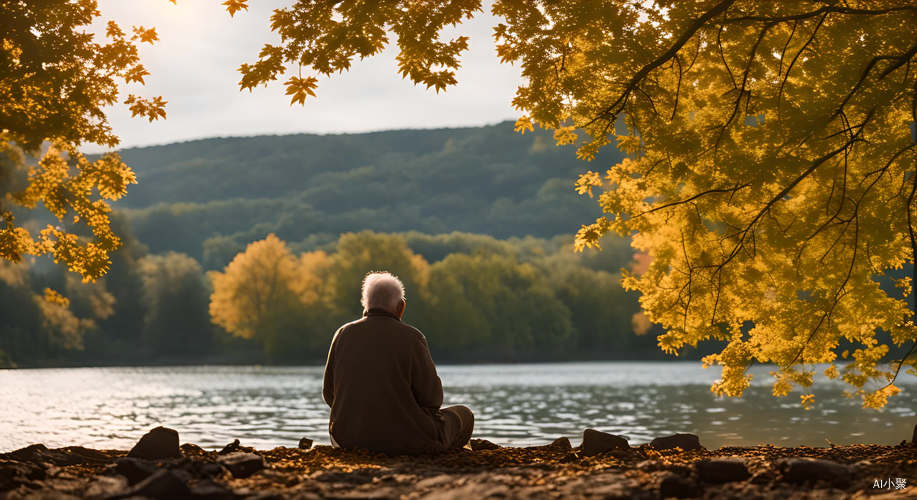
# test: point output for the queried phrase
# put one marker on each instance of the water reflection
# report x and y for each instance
(518, 404)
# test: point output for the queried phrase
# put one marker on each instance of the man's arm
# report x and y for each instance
(427, 387)
(328, 380)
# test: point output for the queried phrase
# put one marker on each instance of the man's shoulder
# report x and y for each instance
(415, 333)
(395, 326)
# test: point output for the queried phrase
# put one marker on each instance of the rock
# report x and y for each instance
(560, 444)
(13, 474)
(800, 470)
(40, 454)
(482, 444)
(595, 442)
(305, 443)
(162, 484)
(656, 465)
(673, 485)
(686, 442)
(722, 470)
(135, 470)
(914, 437)
(105, 486)
(648, 465)
(31, 453)
(210, 490)
(763, 477)
(242, 464)
(433, 482)
(160, 442)
(191, 449)
(230, 448)
(86, 455)
(208, 469)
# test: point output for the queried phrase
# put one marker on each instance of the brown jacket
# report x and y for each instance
(382, 387)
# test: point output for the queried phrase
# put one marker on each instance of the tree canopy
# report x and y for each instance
(771, 170)
(56, 78)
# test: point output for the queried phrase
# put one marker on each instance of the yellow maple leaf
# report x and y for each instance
(300, 88)
(233, 6)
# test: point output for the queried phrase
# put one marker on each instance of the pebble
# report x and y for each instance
(242, 464)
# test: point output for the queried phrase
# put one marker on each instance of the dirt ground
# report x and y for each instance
(552, 471)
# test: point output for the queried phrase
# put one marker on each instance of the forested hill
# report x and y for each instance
(209, 198)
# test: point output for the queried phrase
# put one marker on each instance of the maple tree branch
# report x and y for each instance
(786, 76)
(900, 59)
(692, 198)
(615, 108)
(741, 91)
(830, 9)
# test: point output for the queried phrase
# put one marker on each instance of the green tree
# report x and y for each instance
(360, 253)
(176, 323)
(55, 81)
(39, 327)
(771, 173)
(600, 309)
(495, 307)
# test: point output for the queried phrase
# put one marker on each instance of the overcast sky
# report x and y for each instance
(194, 67)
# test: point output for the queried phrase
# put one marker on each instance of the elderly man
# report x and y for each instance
(381, 384)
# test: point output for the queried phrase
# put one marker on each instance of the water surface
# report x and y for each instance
(521, 404)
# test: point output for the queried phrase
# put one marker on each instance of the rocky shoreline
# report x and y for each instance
(604, 466)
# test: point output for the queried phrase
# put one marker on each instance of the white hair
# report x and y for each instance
(382, 290)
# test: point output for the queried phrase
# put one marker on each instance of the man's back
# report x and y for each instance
(383, 388)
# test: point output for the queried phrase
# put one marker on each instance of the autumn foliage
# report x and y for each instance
(770, 175)
(56, 78)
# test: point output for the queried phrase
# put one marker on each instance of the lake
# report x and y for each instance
(518, 404)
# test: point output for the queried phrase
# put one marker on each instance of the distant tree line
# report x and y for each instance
(210, 198)
(477, 298)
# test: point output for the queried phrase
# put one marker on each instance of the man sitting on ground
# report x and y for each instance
(381, 383)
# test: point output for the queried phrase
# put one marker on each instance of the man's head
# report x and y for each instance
(382, 290)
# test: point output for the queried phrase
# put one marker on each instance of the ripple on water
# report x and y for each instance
(514, 404)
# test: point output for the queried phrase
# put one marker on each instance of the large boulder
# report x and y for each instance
(242, 464)
(801, 470)
(160, 442)
(722, 470)
(914, 437)
(595, 442)
(686, 442)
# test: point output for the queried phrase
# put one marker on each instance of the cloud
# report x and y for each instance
(194, 67)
